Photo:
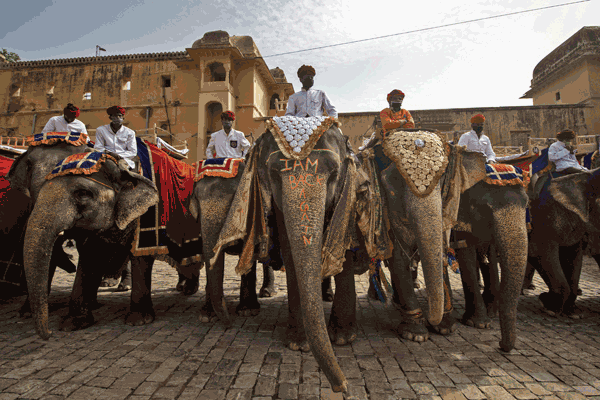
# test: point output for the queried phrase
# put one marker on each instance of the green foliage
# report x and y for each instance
(10, 56)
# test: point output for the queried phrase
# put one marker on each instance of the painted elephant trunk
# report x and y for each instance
(429, 235)
(43, 227)
(304, 221)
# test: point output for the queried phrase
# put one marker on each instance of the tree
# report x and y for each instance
(10, 56)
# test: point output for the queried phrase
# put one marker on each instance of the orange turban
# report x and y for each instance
(477, 119)
(395, 92)
(306, 69)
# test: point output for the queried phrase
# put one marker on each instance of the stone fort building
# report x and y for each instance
(183, 94)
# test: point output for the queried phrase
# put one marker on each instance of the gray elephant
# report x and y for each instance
(419, 210)
(105, 201)
(493, 216)
(562, 215)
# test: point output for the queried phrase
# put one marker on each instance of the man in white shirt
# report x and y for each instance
(116, 138)
(227, 143)
(475, 140)
(562, 153)
(309, 102)
(67, 122)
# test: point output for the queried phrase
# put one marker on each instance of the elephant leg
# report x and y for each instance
(125, 284)
(180, 281)
(191, 285)
(268, 286)
(491, 280)
(84, 294)
(141, 309)
(553, 274)
(342, 321)
(215, 306)
(572, 262)
(412, 326)
(528, 279)
(326, 289)
(415, 274)
(475, 311)
(248, 305)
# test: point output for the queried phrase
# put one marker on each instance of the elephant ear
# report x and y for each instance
(471, 168)
(135, 193)
(570, 194)
(19, 174)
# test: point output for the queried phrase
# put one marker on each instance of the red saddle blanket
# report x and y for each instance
(223, 167)
(74, 138)
(506, 175)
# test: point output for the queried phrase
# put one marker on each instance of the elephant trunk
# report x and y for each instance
(427, 214)
(51, 215)
(304, 220)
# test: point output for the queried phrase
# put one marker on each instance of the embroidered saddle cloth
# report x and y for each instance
(420, 156)
(296, 136)
(221, 167)
(506, 175)
(73, 138)
(80, 164)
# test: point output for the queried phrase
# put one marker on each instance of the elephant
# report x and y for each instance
(418, 221)
(561, 217)
(492, 220)
(105, 204)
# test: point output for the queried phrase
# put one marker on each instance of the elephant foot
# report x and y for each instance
(413, 326)
(506, 346)
(267, 291)
(123, 288)
(72, 323)
(341, 334)
(139, 318)
(447, 326)
(573, 312)
(94, 305)
(296, 340)
(248, 310)
(109, 282)
(208, 313)
(476, 321)
(190, 287)
(549, 306)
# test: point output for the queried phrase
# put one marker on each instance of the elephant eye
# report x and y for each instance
(83, 194)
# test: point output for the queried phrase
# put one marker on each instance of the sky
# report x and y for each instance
(479, 64)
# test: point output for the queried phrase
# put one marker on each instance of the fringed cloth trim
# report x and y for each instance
(49, 138)
(506, 175)
(221, 167)
(421, 158)
(80, 164)
(287, 149)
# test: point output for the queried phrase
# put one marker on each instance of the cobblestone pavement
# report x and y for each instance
(177, 357)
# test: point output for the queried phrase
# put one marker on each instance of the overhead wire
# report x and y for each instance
(427, 29)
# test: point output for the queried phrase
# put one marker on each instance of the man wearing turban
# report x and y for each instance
(395, 116)
(309, 102)
(562, 153)
(227, 143)
(475, 140)
(67, 122)
(117, 138)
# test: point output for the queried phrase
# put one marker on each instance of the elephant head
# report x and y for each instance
(111, 196)
(28, 172)
(312, 194)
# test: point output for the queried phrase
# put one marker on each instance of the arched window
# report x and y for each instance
(272, 105)
(213, 119)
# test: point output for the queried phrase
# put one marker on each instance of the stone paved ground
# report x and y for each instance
(177, 357)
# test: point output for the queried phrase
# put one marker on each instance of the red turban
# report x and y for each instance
(115, 110)
(306, 69)
(477, 119)
(228, 115)
(566, 134)
(395, 92)
(71, 111)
